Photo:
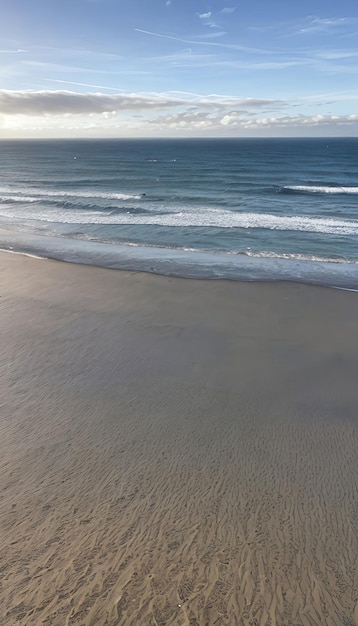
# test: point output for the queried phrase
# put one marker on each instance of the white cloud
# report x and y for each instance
(67, 113)
(228, 10)
(69, 102)
(229, 119)
(19, 51)
(228, 101)
(325, 24)
(212, 35)
(207, 21)
(336, 54)
(289, 121)
(331, 96)
(184, 121)
(186, 124)
(34, 103)
(236, 121)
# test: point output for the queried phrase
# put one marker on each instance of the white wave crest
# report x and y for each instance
(297, 257)
(7, 193)
(9, 198)
(202, 217)
(321, 189)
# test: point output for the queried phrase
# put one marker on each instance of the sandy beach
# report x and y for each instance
(175, 452)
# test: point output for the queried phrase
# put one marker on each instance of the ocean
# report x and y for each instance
(245, 209)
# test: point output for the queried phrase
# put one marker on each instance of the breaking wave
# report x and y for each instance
(319, 189)
(193, 217)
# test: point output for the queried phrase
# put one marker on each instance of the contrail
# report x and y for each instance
(205, 43)
(70, 82)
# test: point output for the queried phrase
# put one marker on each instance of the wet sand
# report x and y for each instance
(175, 452)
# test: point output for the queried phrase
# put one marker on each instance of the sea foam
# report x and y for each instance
(200, 217)
(320, 189)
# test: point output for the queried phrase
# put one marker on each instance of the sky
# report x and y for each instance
(178, 68)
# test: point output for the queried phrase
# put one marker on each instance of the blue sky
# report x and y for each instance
(115, 68)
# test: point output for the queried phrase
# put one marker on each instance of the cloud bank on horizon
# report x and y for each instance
(110, 68)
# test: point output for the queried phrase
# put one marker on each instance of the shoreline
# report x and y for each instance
(199, 265)
(176, 451)
(235, 280)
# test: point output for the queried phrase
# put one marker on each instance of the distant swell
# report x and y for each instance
(319, 189)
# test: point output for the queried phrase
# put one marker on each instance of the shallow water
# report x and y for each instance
(193, 203)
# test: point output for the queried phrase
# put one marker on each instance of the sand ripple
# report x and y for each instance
(166, 464)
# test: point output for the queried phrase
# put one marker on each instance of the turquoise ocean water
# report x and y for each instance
(273, 209)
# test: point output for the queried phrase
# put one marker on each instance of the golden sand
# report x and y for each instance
(176, 452)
